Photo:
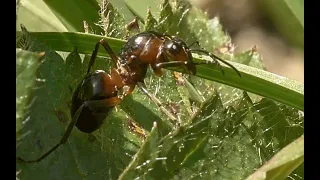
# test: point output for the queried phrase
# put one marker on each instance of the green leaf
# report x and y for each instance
(110, 19)
(219, 141)
(145, 153)
(26, 66)
(283, 163)
(166, 156)
(151, 22)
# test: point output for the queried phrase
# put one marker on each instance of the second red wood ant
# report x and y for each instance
(100, 91)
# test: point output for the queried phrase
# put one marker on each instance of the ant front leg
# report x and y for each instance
(143, 87)
(216, 60)
(190, 65)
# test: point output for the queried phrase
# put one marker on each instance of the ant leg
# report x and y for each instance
(109, 51)
(215, 59)
(190, 65)
(93, 57)
(116, 78)
(110, 102)
(92, 103)
(62, 140)
(196, 42)
(143, 87)
(95, 52)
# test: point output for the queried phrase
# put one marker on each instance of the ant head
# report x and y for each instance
(175, 49)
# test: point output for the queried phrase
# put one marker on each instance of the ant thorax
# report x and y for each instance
(123, 70)
(126, 74)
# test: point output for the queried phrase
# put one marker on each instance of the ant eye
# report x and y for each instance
(173, 48)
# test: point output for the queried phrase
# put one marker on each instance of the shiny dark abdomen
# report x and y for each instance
(90, 119)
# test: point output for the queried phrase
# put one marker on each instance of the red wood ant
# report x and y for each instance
(100, 91)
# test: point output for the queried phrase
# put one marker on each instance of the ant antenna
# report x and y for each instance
(196, 42)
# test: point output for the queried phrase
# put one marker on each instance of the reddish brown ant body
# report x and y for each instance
(99, 91)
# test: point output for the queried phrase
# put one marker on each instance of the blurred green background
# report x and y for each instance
(276, 27)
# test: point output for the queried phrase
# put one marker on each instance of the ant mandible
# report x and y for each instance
(99, 91)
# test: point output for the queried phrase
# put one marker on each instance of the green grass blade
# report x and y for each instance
(287, 16)
(37, 16)
(297, 9)
(253, 80)
(73, 12)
